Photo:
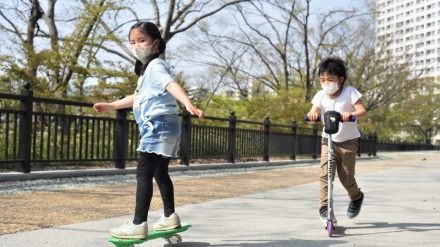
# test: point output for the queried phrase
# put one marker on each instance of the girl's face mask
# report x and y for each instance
(143, 54)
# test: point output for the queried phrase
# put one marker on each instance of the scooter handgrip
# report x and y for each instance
(352, 119)
(307, 119)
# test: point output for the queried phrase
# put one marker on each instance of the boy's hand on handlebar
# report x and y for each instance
(313, 116)
(345, 116)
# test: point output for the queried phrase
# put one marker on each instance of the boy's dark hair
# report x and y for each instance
(149, 29)
(333, 66)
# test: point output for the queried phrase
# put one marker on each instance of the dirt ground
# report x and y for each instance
(36, 210)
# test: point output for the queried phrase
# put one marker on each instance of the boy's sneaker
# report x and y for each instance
(354, 208)
(323, 215)
(167, 223)
(130, 230)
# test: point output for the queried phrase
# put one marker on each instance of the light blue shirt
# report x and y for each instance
(151, 99)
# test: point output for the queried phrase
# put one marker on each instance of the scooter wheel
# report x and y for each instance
(175, 239)
(330, 228)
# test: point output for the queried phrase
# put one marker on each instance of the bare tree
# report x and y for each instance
(283, 43)
(326, 42)
(178, 17)
(372, 69)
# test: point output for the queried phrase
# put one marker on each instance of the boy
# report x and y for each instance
(345, 100)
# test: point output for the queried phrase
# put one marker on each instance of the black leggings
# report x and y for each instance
(152, 165)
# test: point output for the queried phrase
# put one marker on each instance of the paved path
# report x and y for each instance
(401, 208)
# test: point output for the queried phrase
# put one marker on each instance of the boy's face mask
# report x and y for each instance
(142, 54)
(331, 88)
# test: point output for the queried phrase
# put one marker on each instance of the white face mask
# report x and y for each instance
(330, 89)
(142, 54)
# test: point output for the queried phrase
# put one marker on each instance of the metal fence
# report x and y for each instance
(29, 137)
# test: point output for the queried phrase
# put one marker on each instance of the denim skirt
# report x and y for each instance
(160, 135)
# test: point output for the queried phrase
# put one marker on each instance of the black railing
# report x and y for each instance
(36, 137)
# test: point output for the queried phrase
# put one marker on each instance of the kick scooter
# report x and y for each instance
(331, 126)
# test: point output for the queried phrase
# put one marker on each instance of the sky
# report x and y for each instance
(327, 4)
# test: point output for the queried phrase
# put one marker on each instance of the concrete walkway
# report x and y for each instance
(401, 208)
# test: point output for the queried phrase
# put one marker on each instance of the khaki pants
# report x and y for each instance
(344, 160)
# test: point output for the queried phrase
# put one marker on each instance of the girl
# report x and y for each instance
(156, 113)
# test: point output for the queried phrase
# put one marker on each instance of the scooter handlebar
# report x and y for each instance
(307, 119)
(351, 119)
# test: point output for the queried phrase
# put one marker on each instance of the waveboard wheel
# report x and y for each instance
(175, 239)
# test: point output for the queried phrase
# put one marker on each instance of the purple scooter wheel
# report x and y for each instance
(330, 228)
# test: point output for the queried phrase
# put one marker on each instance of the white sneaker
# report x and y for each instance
(167, 223)
(130, 230)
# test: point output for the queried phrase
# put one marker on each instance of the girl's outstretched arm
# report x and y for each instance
(177, 91)
(119, 104)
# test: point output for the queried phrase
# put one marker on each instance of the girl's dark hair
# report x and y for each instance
(149, 29)
(334, 66)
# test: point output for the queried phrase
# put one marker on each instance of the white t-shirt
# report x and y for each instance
(343, 103)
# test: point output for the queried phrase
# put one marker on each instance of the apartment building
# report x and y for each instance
(411, 31)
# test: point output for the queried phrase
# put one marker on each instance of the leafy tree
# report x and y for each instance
(59, 63)
(419, 113)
